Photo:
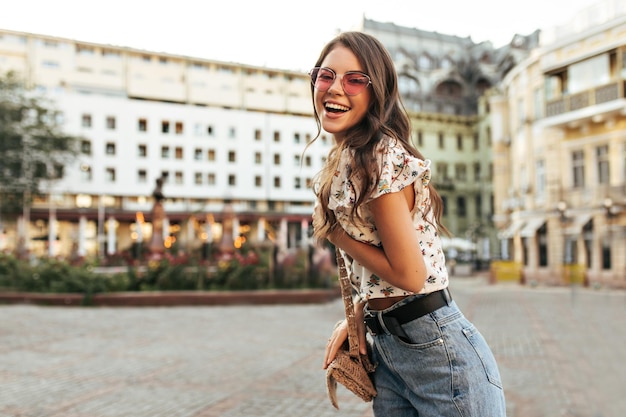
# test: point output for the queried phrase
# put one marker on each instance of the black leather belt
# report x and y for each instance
(408, 312)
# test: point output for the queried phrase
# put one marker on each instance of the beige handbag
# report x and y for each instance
(350, 368)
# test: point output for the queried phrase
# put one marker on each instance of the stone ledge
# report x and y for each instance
(174, 298)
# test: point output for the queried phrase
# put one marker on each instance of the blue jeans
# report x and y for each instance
(446, 370)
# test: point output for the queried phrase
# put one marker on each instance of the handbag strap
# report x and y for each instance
(346, 294)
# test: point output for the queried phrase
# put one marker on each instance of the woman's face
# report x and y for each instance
(338, 111)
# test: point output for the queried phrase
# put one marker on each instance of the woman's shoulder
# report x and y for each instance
(393, 151)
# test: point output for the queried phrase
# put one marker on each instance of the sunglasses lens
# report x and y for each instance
(354, 83)
(322, 78)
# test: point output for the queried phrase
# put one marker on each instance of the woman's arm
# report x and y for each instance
(400, 261)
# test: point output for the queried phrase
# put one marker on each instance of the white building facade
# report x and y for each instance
(222, 135)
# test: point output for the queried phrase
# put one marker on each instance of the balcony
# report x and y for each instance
(601, 102)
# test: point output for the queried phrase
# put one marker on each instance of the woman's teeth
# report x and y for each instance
(332, 107)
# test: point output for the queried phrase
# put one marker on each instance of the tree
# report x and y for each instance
(33, 147)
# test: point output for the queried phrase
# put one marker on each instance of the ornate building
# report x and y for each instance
(442, 79)
(558, 122)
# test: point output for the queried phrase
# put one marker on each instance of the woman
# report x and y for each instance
(377, 206)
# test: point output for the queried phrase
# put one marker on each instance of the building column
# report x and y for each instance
(52, 233)
(282, 235)
(111, 235)
(82, 236)
(260, 230)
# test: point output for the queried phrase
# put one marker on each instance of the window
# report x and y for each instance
(142, 176)
(258, 181)
(142, 125)
(276, 136)
(197, 154)
(460, 172)
(589, 73)
(58, 171)
(232, 180)
(296, 160)
(110, 174)
(307, 160)
(178, 177)
(210, 179)
(232, 132)
(85, 147)
(165, 152)
(296, 138)
(232, 156)
(276, 182)
(110, 148)
(110, 122)
(86, 120)
(459, 142)
(476, 141)
(478, 201)
(257, 134)
(297, 183)
(578, 169)
(178, 152)
(258, 158)
(209, 130)
(461, 208)
(540, 178)
(210, 155)
(477, 170)
(276, 159)
(442, 170)
(165, 126)
(198, 178)
(440, 140)
(444, 204)
(142, 151)
(85, 173)
(179, 128)
(420, 139)
(602, 158)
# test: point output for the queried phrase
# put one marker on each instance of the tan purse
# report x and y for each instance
(350, 368)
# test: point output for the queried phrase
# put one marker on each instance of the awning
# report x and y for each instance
(511, 230)
(531, 226)
(576, 227)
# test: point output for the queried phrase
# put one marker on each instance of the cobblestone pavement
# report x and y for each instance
(561, 353)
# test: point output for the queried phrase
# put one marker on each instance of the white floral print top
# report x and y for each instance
(398, 169)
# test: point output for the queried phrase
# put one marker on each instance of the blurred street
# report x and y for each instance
(561, 353)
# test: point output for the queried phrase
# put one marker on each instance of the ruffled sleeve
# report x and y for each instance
(399, 169)
(342, 195)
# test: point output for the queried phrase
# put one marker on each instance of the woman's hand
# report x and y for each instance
(339, 336)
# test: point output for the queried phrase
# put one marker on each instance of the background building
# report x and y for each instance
(226, 138)
(559, 130)
(442, 79)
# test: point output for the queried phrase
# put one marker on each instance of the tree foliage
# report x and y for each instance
(33, 147)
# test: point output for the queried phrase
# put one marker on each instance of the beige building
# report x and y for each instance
(558, 121)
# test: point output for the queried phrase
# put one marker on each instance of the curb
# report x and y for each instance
(174, 298)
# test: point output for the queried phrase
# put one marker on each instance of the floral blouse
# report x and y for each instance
(398, 169)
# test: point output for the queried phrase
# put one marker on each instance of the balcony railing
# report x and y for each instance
(595, 96)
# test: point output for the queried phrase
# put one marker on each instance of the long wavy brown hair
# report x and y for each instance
(386, 116)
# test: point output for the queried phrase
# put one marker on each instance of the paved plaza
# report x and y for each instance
(562, 353)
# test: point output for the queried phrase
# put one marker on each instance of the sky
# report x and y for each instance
(283, 34)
